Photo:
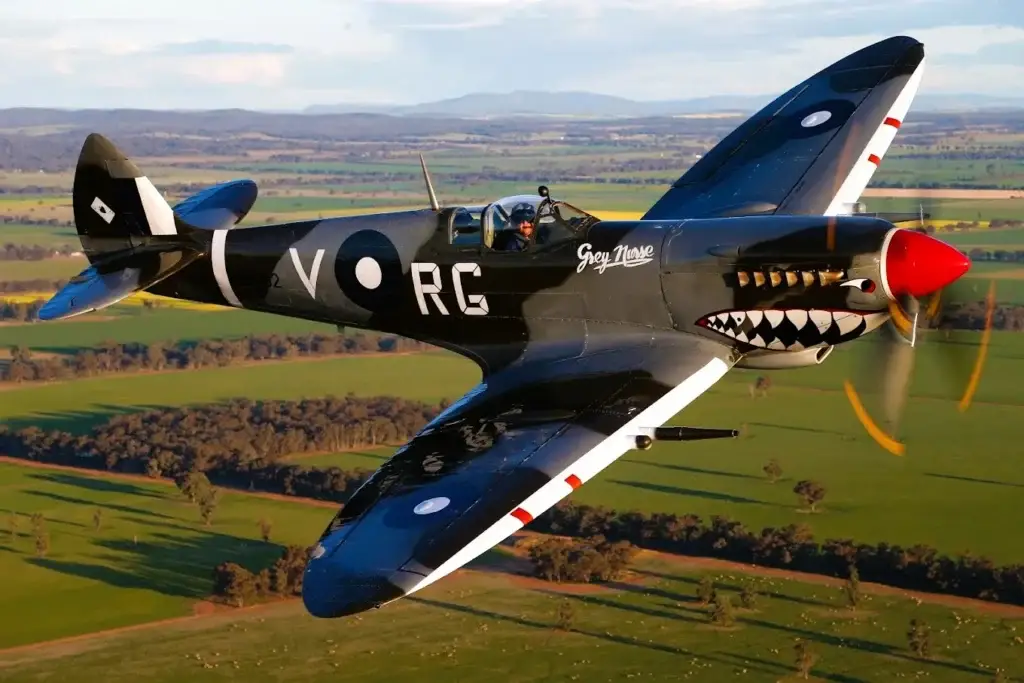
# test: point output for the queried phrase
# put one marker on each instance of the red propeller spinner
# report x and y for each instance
(917, 265)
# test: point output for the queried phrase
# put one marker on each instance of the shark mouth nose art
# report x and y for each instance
(792, 329)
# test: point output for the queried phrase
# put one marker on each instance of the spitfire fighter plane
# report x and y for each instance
(590, 334)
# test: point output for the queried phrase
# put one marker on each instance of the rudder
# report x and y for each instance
(114, 201)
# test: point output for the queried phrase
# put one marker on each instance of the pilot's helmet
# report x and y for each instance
(522, 216)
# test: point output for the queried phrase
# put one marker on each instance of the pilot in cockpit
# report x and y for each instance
(518, 233)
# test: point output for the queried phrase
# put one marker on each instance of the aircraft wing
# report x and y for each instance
(811, 151)
(508, 450)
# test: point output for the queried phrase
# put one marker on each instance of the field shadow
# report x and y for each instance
(852, 642)
(371, 455)
(974, 480)
(696, 493)
(694, 470)
(720, 585)
(96, 484)
(782, 669)
(795, 428)
(170, 565)
(76, 421)
(128, 509)
(604, 636)
(685, 615)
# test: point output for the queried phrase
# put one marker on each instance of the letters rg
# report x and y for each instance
(426, 282)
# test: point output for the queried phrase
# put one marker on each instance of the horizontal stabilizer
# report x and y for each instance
(117, 277)
(219, 207)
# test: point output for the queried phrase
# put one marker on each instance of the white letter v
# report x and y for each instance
(308, 280)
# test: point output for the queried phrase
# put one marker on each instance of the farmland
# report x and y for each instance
(956, 469)
(957, 489)
(484, 624)
(150, 559)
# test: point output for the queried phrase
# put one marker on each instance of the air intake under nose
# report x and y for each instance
(916, 264)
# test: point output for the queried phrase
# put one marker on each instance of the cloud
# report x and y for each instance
(222, 47)
(239, 53)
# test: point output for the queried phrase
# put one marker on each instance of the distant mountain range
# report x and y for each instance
(585, 104)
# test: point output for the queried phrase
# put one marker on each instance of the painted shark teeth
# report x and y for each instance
(792, 329)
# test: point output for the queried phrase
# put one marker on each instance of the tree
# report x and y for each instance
(235, 583)
(810, 492)
(748, 597)
(287, 571)
(721, 613)
(153, 468)
(705, 590)
(565, 616)
(193, 485)
(919, 638)
(97, 518)
(852, 587)
(760, 387)
(265, 526)
(805, 658)
(208, 500)
(42, 539)
(773, 470)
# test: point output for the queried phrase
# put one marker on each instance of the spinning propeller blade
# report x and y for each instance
(923, 281)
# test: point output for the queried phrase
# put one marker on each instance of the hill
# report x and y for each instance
(594, 105)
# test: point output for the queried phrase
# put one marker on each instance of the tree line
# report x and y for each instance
(34, 252)
(28, 219)
(34, 285)
(919, 567)
(240, 444)
(958, 316)
(112, 357)
(20, 311)
(239, 586)
(996, 255)
(971, 316)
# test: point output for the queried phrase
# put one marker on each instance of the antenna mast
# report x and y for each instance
(430, 186)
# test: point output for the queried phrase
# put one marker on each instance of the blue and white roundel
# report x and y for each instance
(429, 507)
(816, 119)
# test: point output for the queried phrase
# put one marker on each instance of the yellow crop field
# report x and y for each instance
(24, 204)
(134, 300)
(618, 215)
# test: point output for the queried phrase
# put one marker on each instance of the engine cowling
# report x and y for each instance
(784, 360)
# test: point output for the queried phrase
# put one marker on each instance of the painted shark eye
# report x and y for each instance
(863, 284)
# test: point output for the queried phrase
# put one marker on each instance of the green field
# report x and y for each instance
(138, 325)
(930, 172)
(958, 488)
(951, 209)
(956, 469)
(46, 269)
(97, 580)
(997, 239)
(363, 458)
(482, 627)
(44, 235)
(78, 405)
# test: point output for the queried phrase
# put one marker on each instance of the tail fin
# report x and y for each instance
(114, 202)
(131, 235)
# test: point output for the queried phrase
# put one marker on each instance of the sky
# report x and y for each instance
(286, 55)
